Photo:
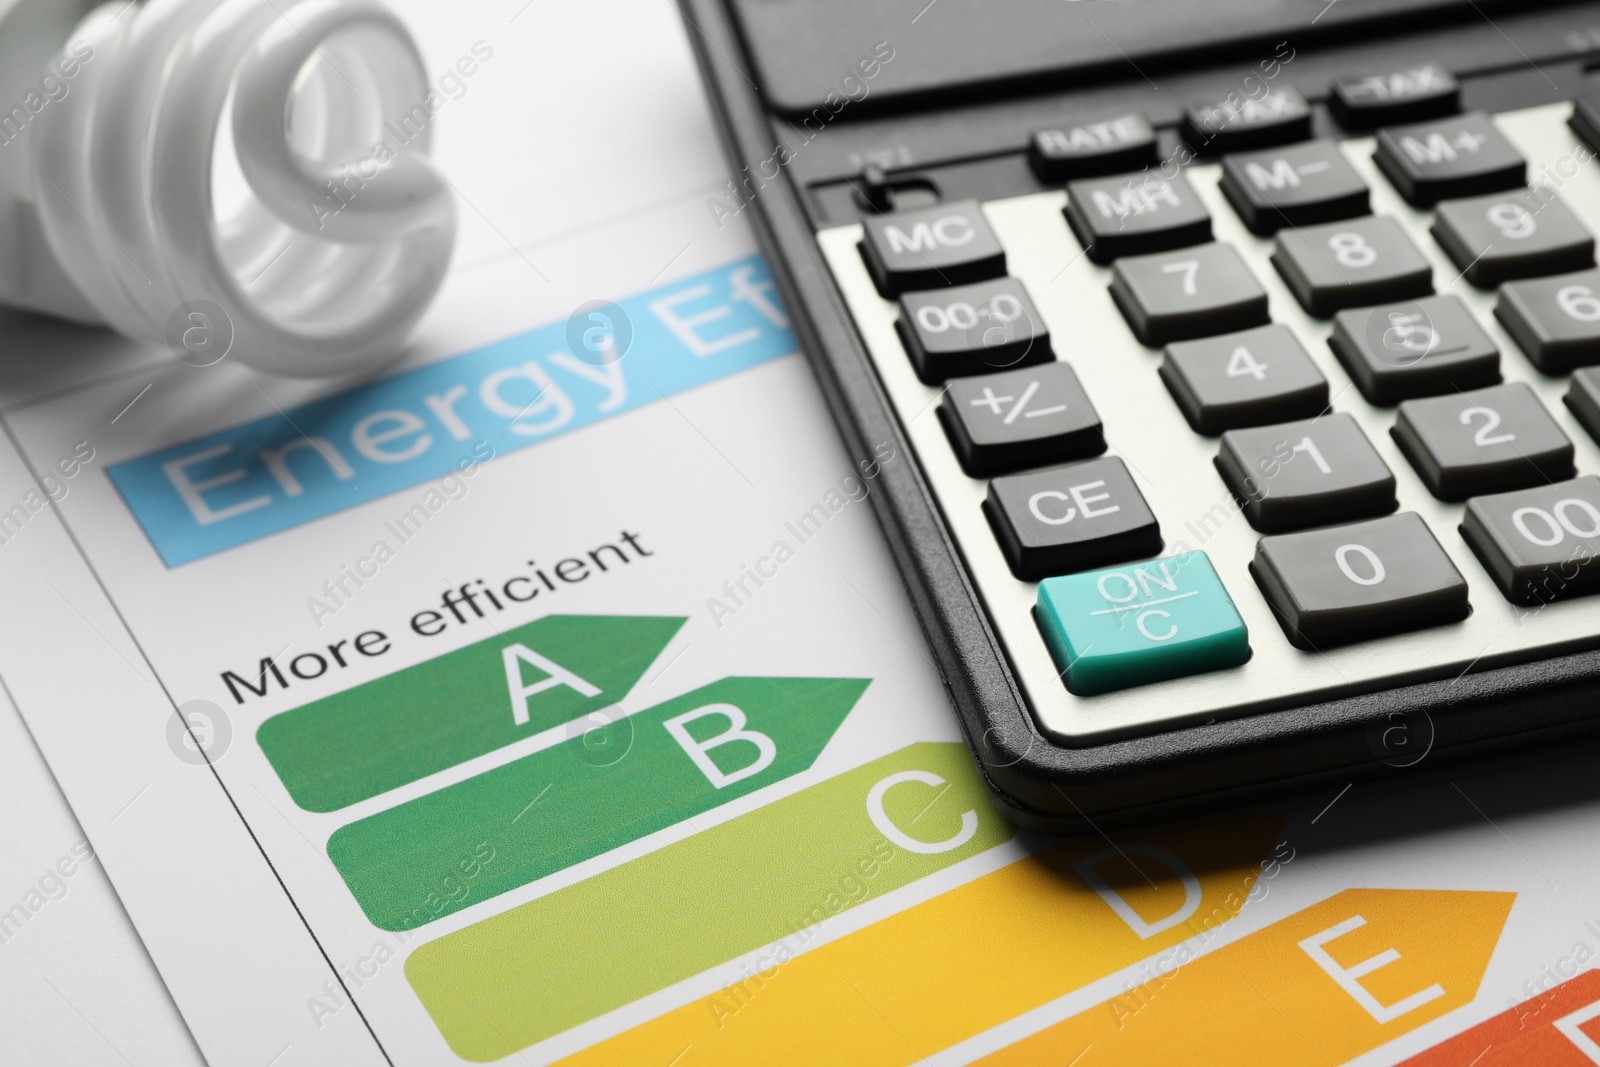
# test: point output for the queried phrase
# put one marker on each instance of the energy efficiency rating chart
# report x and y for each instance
(952, 967)
(1559, 1027)
(769, 878)
(687, 756)
(1322, 986)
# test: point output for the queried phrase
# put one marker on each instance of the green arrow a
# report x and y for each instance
(413, 723)
(545, 812)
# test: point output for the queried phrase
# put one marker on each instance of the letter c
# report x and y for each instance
(1038, 513)
(948, 234)
(886, 826)
(1171, 629)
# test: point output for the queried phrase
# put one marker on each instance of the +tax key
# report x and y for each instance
(1144, 622)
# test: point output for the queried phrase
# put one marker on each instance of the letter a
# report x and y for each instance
(514, 656)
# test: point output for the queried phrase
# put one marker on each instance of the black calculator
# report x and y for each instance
(1245, 357)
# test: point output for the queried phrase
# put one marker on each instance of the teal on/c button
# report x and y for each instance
(1144, 622)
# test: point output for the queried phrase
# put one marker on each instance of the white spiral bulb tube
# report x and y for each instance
(267, 158)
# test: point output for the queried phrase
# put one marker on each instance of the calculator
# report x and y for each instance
(1243, 359)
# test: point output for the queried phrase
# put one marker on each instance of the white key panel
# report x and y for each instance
(1173, 465)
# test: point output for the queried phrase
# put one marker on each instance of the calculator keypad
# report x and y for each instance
(1133, 214)
(1071, 518)
(1351, 264)
(972, 329)
(1023, 418)
(1296, 185)
(1556, 321)
(1540, 545)
(1446, 158)
(1251, 378)
(1229, 381)
(1306, 473)
(1484, 441)
(1394, 352)
(943, 245)
(1173, 296)
(1521, 234)
(1365, 580)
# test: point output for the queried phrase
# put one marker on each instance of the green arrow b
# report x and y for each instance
(547, 811)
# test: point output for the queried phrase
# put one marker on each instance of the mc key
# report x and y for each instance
(947, 244)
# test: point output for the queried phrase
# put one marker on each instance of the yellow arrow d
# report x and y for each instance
(1322, 986)
(951, 967)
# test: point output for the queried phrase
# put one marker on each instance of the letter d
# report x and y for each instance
(1191, 887)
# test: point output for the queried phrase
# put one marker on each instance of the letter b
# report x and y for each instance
(766, 750)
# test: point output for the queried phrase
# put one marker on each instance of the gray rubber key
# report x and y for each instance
(1351, 264)
(1539, 545)
(1485, 441)
(1368, 579)
(1133, 214)
(1193, 292)
(1296, 185)
(1023, 418)
(1556, 321)
(1442, 159)
(930, 248)
(1520, 234)
(972, 329)
(1425, 91)
(1306, 473)
(1236, 123)
(1395, 352)
(1583, 400)
(1071, 518)
(1251, 378)
(1116, 142)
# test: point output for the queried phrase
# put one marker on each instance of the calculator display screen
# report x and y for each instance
(813, 53)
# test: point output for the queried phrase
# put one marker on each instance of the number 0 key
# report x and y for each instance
(1368, 579)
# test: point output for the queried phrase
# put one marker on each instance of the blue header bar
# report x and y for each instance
(251, 481)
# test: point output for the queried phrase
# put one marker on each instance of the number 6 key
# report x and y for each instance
(1556, 321)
